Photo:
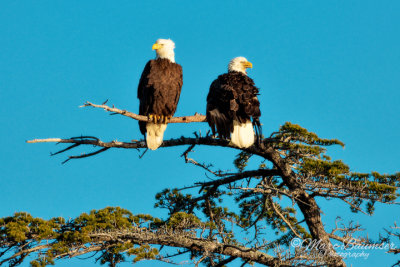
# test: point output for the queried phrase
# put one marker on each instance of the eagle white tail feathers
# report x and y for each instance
(243, 134)
(155, 134)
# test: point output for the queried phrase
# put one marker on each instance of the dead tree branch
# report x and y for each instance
(185, 119)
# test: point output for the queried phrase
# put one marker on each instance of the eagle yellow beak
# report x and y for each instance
(247, 64)
(156, 46)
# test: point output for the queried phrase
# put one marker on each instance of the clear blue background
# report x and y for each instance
(330, 66)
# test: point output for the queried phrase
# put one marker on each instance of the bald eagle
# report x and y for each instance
(158, 92)
(232, 105)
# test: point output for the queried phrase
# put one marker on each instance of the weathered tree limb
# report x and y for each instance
(185, 119)
(283, 218)
(263, 151)
(24, 251)
(103, 240)
(239, 176)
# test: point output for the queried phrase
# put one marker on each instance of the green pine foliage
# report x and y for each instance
(63, 236)
(219, 210)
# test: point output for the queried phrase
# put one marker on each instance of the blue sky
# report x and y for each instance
(330, 66)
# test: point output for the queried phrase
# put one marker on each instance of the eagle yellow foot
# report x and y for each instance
(153, 118)
(167, 118)
(164, 119)
(158, 118)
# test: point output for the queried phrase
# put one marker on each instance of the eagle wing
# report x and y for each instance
(145, 95)
(218, 108)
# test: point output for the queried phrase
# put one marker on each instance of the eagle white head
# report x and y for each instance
(165, 49)
(239, 64)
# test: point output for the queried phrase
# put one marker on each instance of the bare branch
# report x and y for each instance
(192, 161)
(239, 176)
(22, 252)
(185, 119)
(283, 217)
(166, 238)
(210, 141)
(86, 155)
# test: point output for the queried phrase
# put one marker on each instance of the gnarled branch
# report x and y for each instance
(185, 119)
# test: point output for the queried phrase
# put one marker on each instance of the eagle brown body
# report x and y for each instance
(159, 90)
(232, 99)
